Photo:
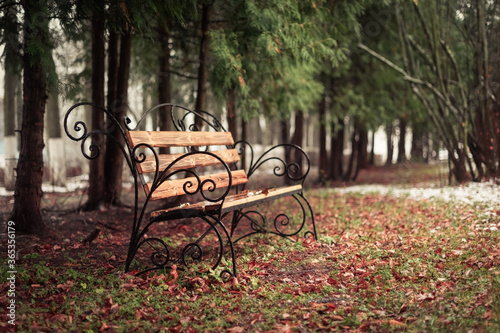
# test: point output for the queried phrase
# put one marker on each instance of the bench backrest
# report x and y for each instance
(215, 142)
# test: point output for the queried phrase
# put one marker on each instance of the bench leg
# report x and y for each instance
(154, 253)
(307, 208)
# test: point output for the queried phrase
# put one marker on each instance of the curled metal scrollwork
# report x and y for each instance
(283, 224)
(180, 118)
(157, 257)
(199, 185)
(212, 186)
(226, 274)
(200, 118)
(292, 169)
(283, 221)
(79, 125)
(242, 147)
(139, 156)
(194, 251)
(95, 148)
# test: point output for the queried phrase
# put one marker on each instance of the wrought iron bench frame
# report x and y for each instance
(214, 212)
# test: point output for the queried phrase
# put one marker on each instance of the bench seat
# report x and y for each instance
(235, 202)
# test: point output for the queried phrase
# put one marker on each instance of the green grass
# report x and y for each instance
(381, 264)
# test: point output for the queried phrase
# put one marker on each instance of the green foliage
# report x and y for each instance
(272, 52)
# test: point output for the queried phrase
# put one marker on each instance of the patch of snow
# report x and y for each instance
(470, 193)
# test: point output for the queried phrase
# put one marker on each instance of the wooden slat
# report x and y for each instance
(197, 160)
(238, 201)
(179, 138)
(173, 188)
(255, 197)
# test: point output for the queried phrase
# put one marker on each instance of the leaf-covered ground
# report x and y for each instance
(381, 264)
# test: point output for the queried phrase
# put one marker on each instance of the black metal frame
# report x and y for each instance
(161, 257)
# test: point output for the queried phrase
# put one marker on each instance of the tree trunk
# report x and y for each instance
(459, 170)
(28, 190)
(426, 147)
(352, 158)
(372, 150)
(164, 80)
(11, 84)
(496, 120)
(112, 70)
(417, 145)
(486, 117)
(390, 144)
(402, 141)
(298, 137)
(256, 130)
(244, 139)
(337, 150)
(323, 154)
(114, 155)
(285, 138)
(96, 172)
(55, 142)
(203, 58)
(362, 149)
(477, 156)
(231, 112)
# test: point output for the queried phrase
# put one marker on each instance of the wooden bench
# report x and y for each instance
(203, 172)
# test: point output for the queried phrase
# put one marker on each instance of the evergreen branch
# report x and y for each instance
(450, 55)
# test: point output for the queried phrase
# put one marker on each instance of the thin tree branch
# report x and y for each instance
(450, 55)
(186, 76)
(422, 53)
(409, 78)
(424, 26)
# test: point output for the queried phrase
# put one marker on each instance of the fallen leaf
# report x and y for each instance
(128, 286)
(174, 273)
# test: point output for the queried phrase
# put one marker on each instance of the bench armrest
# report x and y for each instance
(286, 160)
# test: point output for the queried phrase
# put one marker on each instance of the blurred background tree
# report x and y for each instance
(327, 75)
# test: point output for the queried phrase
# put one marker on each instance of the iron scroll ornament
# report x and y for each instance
(283, 168)
(179, 115)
